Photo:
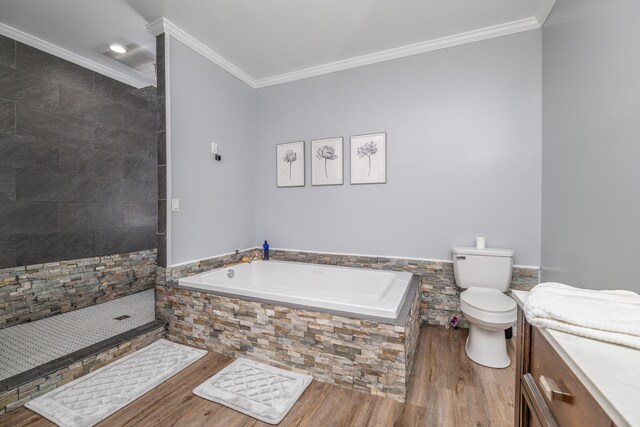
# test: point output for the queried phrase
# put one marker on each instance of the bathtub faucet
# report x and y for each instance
(253, 256)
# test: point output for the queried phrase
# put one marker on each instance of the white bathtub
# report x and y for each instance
(377, 293)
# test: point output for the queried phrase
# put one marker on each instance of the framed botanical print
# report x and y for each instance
(290, 164)
(327, 161)
(369, 158)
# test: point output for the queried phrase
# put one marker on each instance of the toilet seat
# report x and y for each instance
(488, 307)
(487, 299)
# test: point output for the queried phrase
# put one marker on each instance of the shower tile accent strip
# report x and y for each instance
(102, 354)
(37, 291)
(440, 299)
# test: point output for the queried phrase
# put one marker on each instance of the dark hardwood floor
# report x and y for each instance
(446, 389)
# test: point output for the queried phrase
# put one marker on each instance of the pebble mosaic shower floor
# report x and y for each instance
(29, 345)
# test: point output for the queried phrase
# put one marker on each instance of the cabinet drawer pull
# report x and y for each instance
(552, 391)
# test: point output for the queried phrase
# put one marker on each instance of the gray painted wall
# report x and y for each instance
(77, 161)
(216, 198)
(464, 154)
(591, 144)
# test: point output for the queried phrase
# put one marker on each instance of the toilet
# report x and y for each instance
(485, 274)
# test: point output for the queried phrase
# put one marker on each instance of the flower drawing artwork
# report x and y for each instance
(367, 150)
(289, 157)
(326, 153)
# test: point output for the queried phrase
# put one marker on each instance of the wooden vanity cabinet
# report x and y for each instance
(548, 393)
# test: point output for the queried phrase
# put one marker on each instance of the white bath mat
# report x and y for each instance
(255, 389)
(92, 398)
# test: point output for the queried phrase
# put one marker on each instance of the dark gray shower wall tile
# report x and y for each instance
(161, 116)
(7, 184)
(140, 215)
(120, 240)
(25, 152)
(27, 89)
(54, 187)
(122, 140)
(40, 248)
(109, 88)
(140, 191)
(162, 182)
(108, 164)
(7, 252)
(75, 159)
(140, 168)
(152, 237)
(50, 67)
(27, 217)
(110, 190)
(7, 52)
(89, 162)
(37, 123)
(160, 80)
(162, 250)
(162, 147)
(84, 105)
(162, 216)
(140, 120)
(76, 131)
(160, 49)
(7, 117)
(89, 216)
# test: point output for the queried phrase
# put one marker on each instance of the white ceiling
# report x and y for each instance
(270, 41)
(82, 28)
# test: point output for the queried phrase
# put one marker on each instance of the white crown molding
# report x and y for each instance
(404, 51)
(544, 11)
(60, 52)
(163, 25)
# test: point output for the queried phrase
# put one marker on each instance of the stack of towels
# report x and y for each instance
(610, 316)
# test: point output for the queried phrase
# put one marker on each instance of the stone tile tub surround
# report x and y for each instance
(77, 161)
(370, 356)
(34, 292)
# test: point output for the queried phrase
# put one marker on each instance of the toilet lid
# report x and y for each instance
(488, 300)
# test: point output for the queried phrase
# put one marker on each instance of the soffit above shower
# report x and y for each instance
(272, 41)
(79, 30)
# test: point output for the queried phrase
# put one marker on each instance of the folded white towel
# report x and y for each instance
(610, 316)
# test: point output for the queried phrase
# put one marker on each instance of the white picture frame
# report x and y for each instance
(290, 162)
(327, 161)
(369, 158)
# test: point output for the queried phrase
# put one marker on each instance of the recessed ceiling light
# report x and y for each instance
(117, 48)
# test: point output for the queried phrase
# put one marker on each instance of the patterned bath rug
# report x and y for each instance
(93, 397)
(255, 389)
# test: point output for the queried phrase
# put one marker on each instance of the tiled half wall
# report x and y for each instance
(37, 291)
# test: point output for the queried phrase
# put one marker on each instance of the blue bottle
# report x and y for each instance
(265, 249)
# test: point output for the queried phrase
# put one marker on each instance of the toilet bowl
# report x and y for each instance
(489, 313)
(485, 274)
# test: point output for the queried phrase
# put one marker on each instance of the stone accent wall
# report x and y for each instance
(37, 291)
(440, 295)
(363, 355)
(15, 398)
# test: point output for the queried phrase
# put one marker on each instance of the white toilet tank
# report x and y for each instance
(482, 268)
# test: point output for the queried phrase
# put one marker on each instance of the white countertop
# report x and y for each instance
(611, 373)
